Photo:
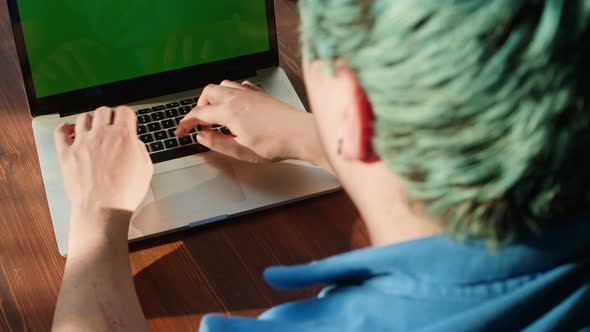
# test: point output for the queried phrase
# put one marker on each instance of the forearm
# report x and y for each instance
(97, 291)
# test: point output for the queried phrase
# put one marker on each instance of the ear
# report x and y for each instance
(356, 136)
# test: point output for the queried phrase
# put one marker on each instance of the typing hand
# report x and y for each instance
(106, 166)
(264, 129)
(107, 172)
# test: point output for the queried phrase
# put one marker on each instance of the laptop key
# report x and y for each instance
(171, 132)
(172, 113)
(224, 130)
(168, 123)
(186, 102)
(154, 126)
(172, 105)
(156, 146)
(157, 116)
(146, 138)
(178, 152)
(141, 129)
(160, 135)
(178, 119)
(171, 143)
(158, 108)
(185, 140)
(184, 110)
(144, 111)
(144, 119)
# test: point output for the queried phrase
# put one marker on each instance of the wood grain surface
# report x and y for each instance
(179, 277)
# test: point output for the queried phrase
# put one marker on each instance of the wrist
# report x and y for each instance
(93, 227)
(309, 148)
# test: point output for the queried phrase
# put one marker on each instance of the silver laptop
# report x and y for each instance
(153, 55)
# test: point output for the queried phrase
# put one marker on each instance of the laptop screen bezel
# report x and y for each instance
(144, 87)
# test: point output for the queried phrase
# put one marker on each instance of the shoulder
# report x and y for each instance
(350, 308)
(220, 323)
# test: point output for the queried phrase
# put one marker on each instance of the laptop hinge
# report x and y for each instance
(71, 111)
(239, 74)
(229, 73)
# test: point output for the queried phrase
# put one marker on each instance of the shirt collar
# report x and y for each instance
(440, 260)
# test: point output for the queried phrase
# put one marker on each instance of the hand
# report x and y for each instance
(107, 172)
(106, 166)
(264, 129)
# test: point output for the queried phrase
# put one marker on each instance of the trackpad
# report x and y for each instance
(193, 193)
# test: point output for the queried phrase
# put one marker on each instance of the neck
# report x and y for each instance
(380, 197)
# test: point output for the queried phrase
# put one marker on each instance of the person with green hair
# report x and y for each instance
(459, 128)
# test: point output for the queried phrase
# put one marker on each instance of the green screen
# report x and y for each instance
(76, 44)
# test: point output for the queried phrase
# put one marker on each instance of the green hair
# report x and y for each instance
(481, 106)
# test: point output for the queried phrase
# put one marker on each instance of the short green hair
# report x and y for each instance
(481, 106)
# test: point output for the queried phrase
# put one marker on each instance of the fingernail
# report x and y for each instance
(197, 137)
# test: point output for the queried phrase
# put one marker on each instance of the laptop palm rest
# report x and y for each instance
(183, 195)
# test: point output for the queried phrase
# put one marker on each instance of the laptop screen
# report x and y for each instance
(73, 45)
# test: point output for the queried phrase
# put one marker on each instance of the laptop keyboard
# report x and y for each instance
(156, 126)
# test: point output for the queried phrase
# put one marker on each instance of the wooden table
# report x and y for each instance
(180, 277)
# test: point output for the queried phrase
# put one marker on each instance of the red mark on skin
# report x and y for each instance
(367, 119)
(111, 324)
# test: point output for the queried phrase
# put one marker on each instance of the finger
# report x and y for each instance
(215, 94)
(62, 137)
(252, 86)
(233, 85)
(83, 124)
(103, 116)
(221, 143)
(125, 117)
(206, 115)
(144, 151)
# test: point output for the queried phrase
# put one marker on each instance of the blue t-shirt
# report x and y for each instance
(538, 283)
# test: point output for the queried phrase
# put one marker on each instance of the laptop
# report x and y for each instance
(155, 56)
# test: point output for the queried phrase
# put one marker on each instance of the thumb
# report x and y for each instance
(204, 115)
(219, 142)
